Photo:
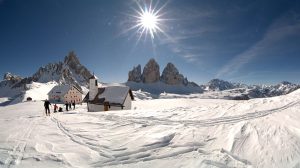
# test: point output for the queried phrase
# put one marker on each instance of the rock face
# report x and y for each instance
(219, 85)
(151, 72)
(171, 76)
(68, 72)
(10, 77)
(76, 68)
(135, 74)
(10, 80)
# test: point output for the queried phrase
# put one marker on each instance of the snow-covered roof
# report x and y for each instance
(114, 94)
(61, 89)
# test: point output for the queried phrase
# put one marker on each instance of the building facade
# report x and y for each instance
(65, 94)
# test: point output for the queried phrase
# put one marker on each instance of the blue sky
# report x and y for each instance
(248, 41)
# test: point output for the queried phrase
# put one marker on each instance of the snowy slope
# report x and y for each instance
(35, 90)
(185, 132)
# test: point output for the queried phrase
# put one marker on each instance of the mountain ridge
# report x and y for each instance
(70, 71)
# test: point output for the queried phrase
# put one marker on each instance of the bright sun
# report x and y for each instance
(148, 19)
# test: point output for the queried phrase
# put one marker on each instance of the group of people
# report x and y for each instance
(69, 105)
(56, 108)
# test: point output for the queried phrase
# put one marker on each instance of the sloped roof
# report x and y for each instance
(115, 95)
(62, 89)
(92, 77)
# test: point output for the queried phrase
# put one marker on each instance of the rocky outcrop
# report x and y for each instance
(171, 76)
(151, 72)
(219, 85)
(77, 68)
(135, 74)
(11, 77)
(10, 80)
(68, 72)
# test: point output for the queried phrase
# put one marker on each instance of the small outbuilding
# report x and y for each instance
(108, 97)
(65, 93)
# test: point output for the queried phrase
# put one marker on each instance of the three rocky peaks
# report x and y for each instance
(151, 74)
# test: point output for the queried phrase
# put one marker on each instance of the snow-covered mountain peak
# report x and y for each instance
(10, 76)
(220, 85)
(71, 71)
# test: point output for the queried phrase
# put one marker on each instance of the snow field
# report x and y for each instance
(184, 132)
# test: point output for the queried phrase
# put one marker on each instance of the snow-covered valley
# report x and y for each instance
(177, 132)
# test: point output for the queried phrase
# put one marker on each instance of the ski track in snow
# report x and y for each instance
(17, 153)
(127, 157)
(134, 139)
(147, 152)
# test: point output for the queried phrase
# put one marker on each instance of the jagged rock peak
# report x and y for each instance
(218, 84)
(286, 83)
(151, 72)
(171, 76)
(68, 72)
(135, 74)
(10, 76)
(71, 58)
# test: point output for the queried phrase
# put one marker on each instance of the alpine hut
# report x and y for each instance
(107, 98)
(65, 93)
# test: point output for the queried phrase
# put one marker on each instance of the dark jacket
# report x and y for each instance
(47, 104)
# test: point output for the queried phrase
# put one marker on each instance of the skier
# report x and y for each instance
(47, 109)
(67, 106)
(55, 108)
(73, 105)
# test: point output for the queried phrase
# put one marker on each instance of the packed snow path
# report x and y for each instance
(157, 133)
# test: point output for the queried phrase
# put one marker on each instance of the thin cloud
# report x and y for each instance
(188, 28)
(279, 30)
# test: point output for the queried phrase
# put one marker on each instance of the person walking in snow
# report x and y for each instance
(47, 108)
(55, 108)
(73, 105)
(67, 106)
(70, 106)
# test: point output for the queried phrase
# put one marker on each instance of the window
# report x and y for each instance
(96, 83)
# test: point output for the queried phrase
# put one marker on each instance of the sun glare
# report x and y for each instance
(148, 19)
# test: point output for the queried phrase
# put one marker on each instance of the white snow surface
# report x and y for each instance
(181, 132)
(37, 91)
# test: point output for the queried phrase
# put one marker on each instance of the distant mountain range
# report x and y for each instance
(243, 91)
(71, 71)
(171, 81)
